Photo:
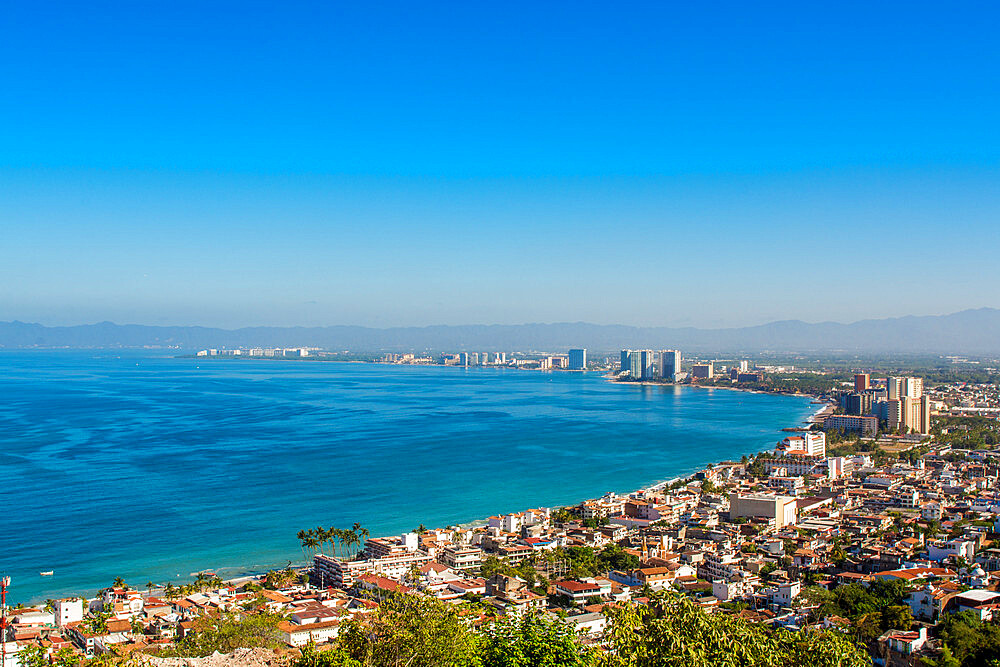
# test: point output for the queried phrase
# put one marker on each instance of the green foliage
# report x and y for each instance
(410, 630)
(946, 659)
(416, 631)
(98, 621)
(32, 655)
(492, 565)
(531, 641)
(229, 632)
(873, 609)
(276, 579)
(971, 641)
(586, 562)
(967, 432)
(674, 630)
(562, 515)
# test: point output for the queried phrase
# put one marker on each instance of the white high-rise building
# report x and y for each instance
(913, 387)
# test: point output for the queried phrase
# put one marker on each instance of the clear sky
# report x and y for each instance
(706, 164)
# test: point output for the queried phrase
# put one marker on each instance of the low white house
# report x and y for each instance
(783, 594)
(299, 635)
(939, 551)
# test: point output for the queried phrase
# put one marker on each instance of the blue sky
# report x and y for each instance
(707, 164)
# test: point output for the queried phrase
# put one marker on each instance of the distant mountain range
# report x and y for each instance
(966, 332)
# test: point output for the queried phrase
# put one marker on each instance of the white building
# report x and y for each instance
(783, 594)
(68, 610)
(809, 443)
(938, 551)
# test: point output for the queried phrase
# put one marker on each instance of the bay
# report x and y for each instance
(142, 465)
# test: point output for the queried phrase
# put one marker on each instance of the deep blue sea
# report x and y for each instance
(149, 467)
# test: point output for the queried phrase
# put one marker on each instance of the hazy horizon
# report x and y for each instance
(491, 324)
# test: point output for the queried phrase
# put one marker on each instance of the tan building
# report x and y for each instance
(780, 508)
(703, 371)
(911, 414)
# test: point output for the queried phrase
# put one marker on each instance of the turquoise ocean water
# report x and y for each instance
(150, 467)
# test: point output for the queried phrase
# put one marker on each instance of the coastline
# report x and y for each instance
(515, 500)
(824, 404)
(245, 574)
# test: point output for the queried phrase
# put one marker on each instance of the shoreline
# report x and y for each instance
(811, 419)
(243, 572)
(475, 523)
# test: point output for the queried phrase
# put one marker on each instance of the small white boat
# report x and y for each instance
(46, 574)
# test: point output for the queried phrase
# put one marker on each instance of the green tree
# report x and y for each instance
(971, 641)
(946, 659)
(674, 630)
(532, 641)
(65, 657)
(492, 565)
(897, 617)
(229, 631)
(32, 655)
(406, 630)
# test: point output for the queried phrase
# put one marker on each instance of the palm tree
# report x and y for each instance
(301, 535)
(350, 538)
(360, 533)
(340, 535)
(149, 588)
(336, 536)
(118, 583)
(311, 542)
(322, 534)
(169, 591)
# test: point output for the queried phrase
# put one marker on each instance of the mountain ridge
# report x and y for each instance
(973, 331)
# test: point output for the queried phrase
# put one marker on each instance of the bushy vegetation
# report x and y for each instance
(674, 630)
(587, 562)
(229, 631)
(969, 641)
(966, 432)
(422, 632)
(575, 561)
(872, 610)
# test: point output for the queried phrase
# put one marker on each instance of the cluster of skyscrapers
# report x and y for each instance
(900, 403)
(651, 364)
